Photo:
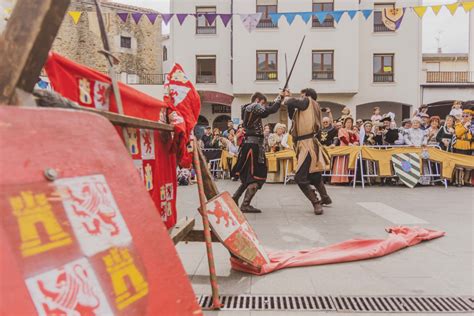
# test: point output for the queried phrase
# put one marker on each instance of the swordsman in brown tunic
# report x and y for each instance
(305, 114)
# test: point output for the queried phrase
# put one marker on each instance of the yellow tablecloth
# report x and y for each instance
(225, 160)
(352, 151)
(287, 154)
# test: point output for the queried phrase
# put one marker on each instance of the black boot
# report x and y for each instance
(312, 197)
(239, 193)
(249, 194)
(321, 188)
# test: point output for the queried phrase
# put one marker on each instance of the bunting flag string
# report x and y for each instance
(250, 21)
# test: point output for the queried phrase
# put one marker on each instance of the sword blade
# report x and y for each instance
(294, 63)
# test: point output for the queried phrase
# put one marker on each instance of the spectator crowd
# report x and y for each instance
(454, 133)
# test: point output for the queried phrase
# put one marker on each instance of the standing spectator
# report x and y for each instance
(422, 109)
(445, 136)
(240, 135)
(359, 123)
(433, 130)
(230, 127)
(415, 136)
(369, 136)
(463, 146)
(338, 126)
(346, 112)
(207, 137)
(425, 121)
(391, 134)
(216, 135)
(376, 114)
(266, 134)
(456, 110)
(328, 135)
(279, 139)
(347, 137)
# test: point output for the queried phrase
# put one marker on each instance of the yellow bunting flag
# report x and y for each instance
(75, 15)
(420, 11)
(452, 7)
(468, 6)
(7, 10)
(436, 9)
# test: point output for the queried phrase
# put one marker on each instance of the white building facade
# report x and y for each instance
(357, 63)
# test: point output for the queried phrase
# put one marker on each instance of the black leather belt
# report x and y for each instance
(307, 136)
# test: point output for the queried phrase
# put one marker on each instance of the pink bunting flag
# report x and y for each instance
(250, 21)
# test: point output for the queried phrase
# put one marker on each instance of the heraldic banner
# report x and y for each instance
(152, 153)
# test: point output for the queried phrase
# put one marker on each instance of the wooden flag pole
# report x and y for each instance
(207, 231)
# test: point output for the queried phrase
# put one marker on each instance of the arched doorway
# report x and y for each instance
(335, 108)
(401, 110)
(220, 122)
(200, 126)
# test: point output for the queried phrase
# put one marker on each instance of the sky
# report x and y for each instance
(452, 31)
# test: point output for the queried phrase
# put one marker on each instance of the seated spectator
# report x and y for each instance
(279, 139)
(230, 145)
(433, 130)
(230, 127)
(328, 135)
(376, 114)
(207, 137)
(415, 136)
(346, 112)
(445, 134)
(456, 110)
(216, 135)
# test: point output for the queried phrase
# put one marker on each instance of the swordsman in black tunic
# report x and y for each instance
(305, 114)
(251, 166)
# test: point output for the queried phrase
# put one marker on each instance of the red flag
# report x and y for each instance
(151, 151)
(185, 106)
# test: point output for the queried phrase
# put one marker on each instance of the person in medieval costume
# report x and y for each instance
(251, 166)
(305, 114)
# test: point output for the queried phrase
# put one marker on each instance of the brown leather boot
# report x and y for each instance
(249, 194)
(312, 197)
(325, 199)
(239, 193)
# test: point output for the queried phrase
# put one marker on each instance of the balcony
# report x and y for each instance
(450, 77)
(323, 75)
(206, 30)
(383, 77)
(380, 27)
(267, 75)
(266, 24)
(145, 79)
(206, 79)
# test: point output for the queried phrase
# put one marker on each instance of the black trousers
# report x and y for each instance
(303, 176)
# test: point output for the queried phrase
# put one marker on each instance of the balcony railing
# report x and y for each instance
(205, 79)
(323, 75)
(266, 24)
(206, 29)
(145, 79)
(270, 75)
(380, 27)
(449, 76)
(383, 77)
(328, 22)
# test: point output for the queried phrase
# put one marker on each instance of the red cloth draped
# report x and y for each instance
(350, 250)
(152, 154)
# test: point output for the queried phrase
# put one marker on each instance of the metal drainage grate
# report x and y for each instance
(375, 304)
(401, 304)
(270, 302)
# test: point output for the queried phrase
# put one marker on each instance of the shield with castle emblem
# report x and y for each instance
(232, 229)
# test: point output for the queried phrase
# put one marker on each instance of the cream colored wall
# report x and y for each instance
(155, 91)
(471, 40)
(185, 44)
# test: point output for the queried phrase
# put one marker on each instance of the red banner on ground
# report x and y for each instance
(152, 154)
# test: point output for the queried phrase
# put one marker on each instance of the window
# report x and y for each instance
(323, 6)
(379, 26)
(266, 7)
(165, 53)
(125, 42)
(323, 65)
(383, 68)
(202, 26)
(206, 69)
(267, 65)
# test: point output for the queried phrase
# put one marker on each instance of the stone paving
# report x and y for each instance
(440, 267)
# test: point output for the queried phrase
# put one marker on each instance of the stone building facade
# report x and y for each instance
(137, 46)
